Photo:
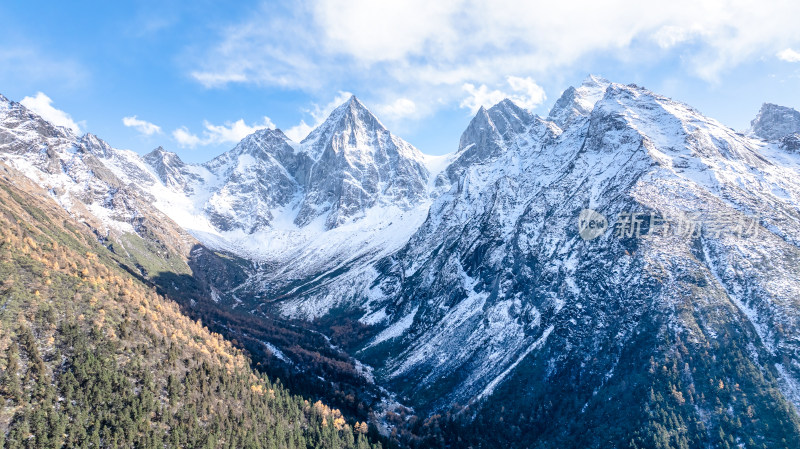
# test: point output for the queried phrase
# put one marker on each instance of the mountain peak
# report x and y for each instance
(96, 145)
(506, 105)
(353, 100)
(774, 122)
(595, 80)
(578, 102)
(159, 153)
(351, 121)
(498, 122)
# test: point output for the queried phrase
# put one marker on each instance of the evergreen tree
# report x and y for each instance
(11, 387)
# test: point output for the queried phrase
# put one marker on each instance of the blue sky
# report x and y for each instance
(196, 76)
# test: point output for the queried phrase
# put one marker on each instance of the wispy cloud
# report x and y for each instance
(789, 55)
(230, 132)
(27, 64)
(398, 109)
(42, 105)
(523, 91)
(142, 126)
(318, 114)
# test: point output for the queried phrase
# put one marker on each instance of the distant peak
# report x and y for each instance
(505, 104)
(160, 156)
(158, 151)
(578, 102)
(346, 117)
(594, 80)
(355, 105)
(501, 120)
(774, 122)
(775, 107)
(93, 140)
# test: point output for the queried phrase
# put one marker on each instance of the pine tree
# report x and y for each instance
(10, 383)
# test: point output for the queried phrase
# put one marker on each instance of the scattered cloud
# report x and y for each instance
(527, 93)
(185, 138)
(480, 96)
(42, 105)
(318, 114)
(523, 91)
(144, 127)
(299, 131)
(230, 132)
(789, 55)
(282, 47)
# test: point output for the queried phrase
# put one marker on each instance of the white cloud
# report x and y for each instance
(527, 93)
(230, 132)
(144, 127)
(42, 105)
(401, 108)
(524, 92)
(426, 51)
(318, 115)
(186, 138)
(789, 55)
(387, 30)
(300, 131)
(480, 96)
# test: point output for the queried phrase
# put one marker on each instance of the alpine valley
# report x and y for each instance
(454, 301)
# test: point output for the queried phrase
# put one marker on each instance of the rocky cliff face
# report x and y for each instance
(250, 182)
(358, 164)
(499, 274)
(774, 122)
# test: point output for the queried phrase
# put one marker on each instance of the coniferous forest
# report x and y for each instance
(93, 358)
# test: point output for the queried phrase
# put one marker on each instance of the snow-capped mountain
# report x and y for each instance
(577, 102)
(499, 274)
(249, 183)
(470, 270)
(358, 164)
(97, 184)
(347, 166)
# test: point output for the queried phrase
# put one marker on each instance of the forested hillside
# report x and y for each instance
(91, 357)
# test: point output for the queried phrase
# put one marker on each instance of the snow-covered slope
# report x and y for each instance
(97, 184)
(498, 273)
(347, 195)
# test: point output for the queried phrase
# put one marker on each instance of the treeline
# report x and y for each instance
(310, 355)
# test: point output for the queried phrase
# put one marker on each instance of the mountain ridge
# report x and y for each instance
(476, 279)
